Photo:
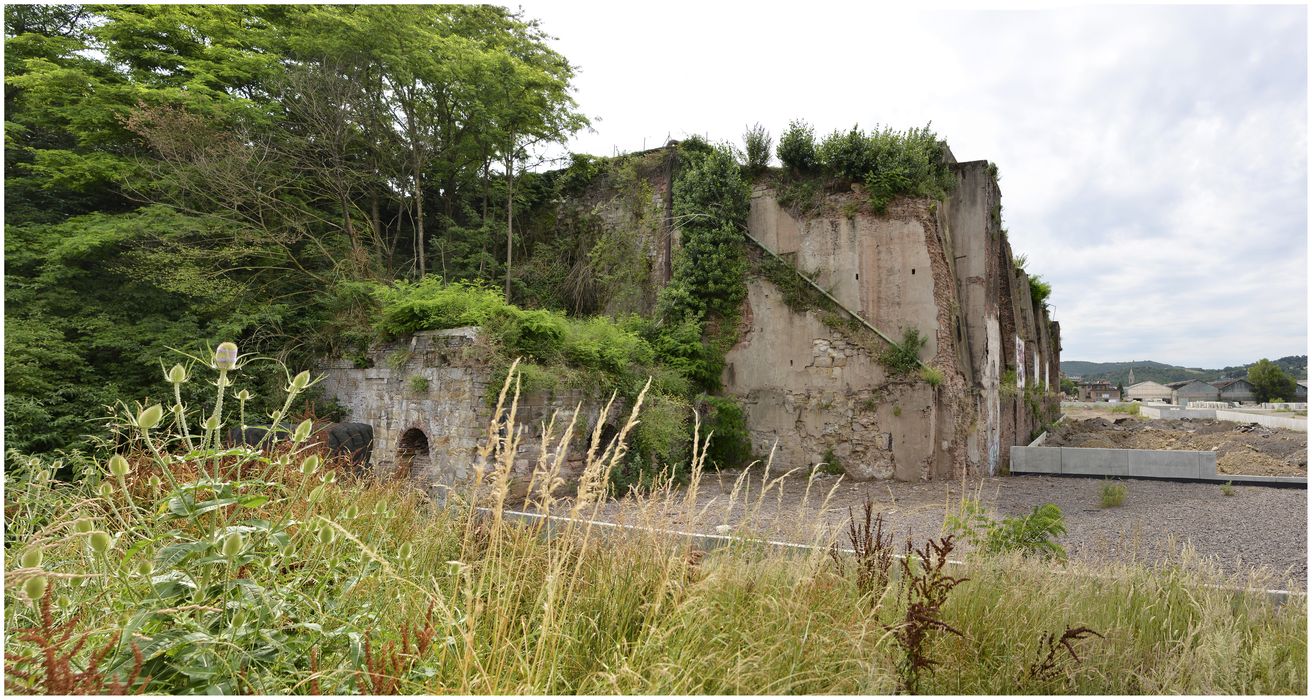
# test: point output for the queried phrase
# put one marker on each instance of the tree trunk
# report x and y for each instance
(357, 252)
(376, 219)
(419, 219)
(510, 213)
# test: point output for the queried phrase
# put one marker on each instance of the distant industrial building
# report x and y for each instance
(1192, 390)
(1149, 392)
(1235, 390)
(1300, 391)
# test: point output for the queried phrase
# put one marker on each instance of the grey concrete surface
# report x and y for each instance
(1166, 464)
(1145, 464)
(1094, 461)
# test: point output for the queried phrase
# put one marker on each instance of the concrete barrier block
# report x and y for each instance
(1206, 464)
(1036, 460)
(1164, 463)
(1095, 461)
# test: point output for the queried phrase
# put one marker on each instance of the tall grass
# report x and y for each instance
(275, 571)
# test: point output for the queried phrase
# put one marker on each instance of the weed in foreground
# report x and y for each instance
(1111, 494)
(50, 669)
(1046, 665)
(926, 588)
(872, 550)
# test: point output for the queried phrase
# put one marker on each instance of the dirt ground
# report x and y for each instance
(1241, 448)
(1256, 527)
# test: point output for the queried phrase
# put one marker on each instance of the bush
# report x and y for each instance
(659, 445)
(680, 347)
(831, 464)
(889, 163)
(1039, 290)
(847, 154)
(797, 147)
(1031, 535)
(932, 376)
(801, 195)
(724, 420)
(431, 304)
(1111, 495)
(909, 163)
(600, 343)
(758, 144)
(1228, 489)
(902, 358)
(545, 337)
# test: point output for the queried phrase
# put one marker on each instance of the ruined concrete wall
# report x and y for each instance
(821, 392)
(436, 384)
(946, 270)
(817, 388)
(812, 388)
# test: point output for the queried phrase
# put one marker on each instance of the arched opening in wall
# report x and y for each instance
(608, 435)
(412, 455)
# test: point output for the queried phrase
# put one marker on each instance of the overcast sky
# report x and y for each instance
(1153, 160)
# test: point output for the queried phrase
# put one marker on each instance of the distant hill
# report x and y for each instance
(1147, 370)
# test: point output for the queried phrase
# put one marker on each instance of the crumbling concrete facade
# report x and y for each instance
(812, 389)
(815, 391)
(430, 400)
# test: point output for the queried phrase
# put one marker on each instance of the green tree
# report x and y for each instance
(1068, 387)
(178, 175)
(1270, 383)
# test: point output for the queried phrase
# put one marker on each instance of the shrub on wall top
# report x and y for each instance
(797, 147)
(888, 162)
(757, 143)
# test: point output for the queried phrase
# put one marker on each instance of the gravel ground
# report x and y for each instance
(1256, 527)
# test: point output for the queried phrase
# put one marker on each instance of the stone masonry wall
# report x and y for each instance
(436, 385)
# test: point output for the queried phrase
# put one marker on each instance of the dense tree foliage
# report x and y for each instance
(181, 175)
(1270, 383)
